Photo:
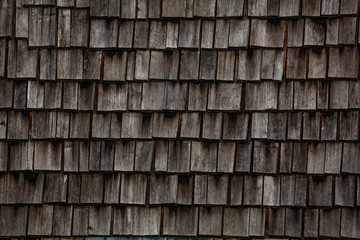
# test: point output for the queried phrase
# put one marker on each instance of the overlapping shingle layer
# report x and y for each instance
(221, 118)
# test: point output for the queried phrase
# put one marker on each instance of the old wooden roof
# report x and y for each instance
(219, 118)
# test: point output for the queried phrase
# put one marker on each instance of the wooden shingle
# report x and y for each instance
(265, 157)
(79, 27)
(289, 8)
(236, 222)
(272, 65)
(344, 191)
(189, 65)
(136, 125)
(79, 125)
(243, 157)
(6, 17)
(224, 96)
(329, 126)
(311, 222)
(197, 96)
(311, 126)
(350, 160)
(211, 125)
(277, 126)
(168, 8)
(157, 36)
(137, 221)
(86, 96)
(311, 8)
(349, 221)
(64, 23)
(35, 95)
(339, 98)
(42, 27)
(207, 65)
(317, 64)
(286, 95)
(175, 96)
(6, 94)
(221, 33)
(314, 32)
(286, 152)
(100, 28)
(235, 126)
(262, 33)
(164, 65)
(70, 64)
(165, 125)
(257, 8)
(333, 158)
(203, 157)
(18, 125)
(22, 21)
(13, 221)
(320, 191)
(294, 219)
(347, 31)
(21, 156)
(277, 221)
(189, 33)
(172, 35)
(100, 220)
(2, 57)
(305, 95)
(209, 221)
(52, 95)
(180, 221)
(229, 8)
(348, 7)
(316, 158)
(226, 66)
(271, 191)
(342, 63)
(185, 190)
(296, 63)
(349, 125)
(262, 96)
(163, 189)
(41, 220)
(43, 125)
(141, 34)
(143, 156)
(329, 224)
(300, 157)
(259, 125)
(112, 97)
(257, 222)
(296, 32)
(253, 190)
(204, 8)
(239, 32)
(56, 188)
(249, 67)
(330, 7)
(18, 54)
(80, 221)
(47, 156)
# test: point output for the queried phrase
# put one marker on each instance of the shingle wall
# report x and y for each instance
(220, 118)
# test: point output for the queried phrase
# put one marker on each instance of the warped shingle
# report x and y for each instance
(137, 221)
(329, 224)
(239, 32)
(163, 189)
(41, 220)
(343, 62)
(101, 28)
(189, 34)
(267, 34)
(164, 65)
(262, 96)
(320, 191)
(13, 221)
(265, 157)
(249, 67)
(203, 157)
(236, 222)
(180, 221)
(17, 56)
(42, 27)
(229, 8)
(79, 27)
